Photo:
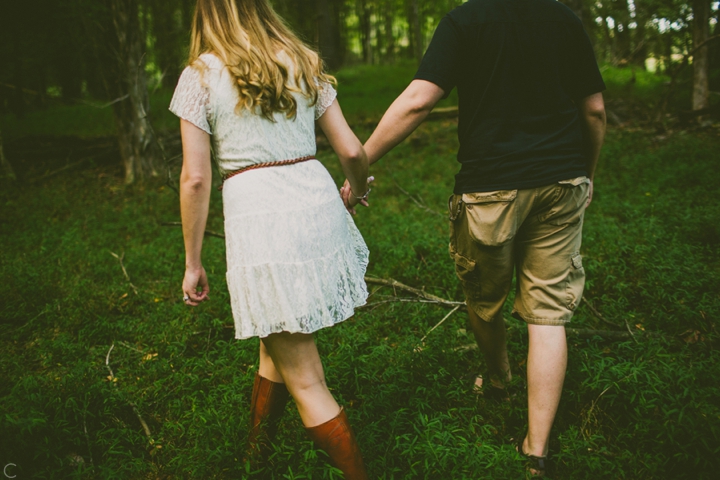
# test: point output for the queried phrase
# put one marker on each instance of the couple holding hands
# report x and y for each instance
(531, 125)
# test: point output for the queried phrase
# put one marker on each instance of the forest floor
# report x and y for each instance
(108, 375)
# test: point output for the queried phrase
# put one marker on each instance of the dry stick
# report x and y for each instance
(439, 323)
(594, 403)
(420, 293)
(627, 325)
(589, 412)
(145, 427)
(131, 347)
(597, 315)
(209, 233)
(120, 259)
(62, 169)
(430, 298)
(418, 203)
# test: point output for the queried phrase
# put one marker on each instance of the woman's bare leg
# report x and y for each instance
(296, 359)
(267, 367)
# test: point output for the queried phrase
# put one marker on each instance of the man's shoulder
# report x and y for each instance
(489, 11)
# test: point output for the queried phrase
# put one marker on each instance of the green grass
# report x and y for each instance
(629, 410)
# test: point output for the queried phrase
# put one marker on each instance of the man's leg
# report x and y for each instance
(546, 364)
(491, 340)
(550, 281)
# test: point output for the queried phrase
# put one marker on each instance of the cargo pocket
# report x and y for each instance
(492, 216)
(575, 281)
(464, 267)
(569, 207)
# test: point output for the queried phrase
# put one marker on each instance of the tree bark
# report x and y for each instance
(167, 41)
(701, 31)
(389, 35)
(135, 136)
(329, 34)
(365, 14)
(417, 42)
(6, 167)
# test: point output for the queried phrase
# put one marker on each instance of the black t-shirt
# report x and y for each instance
(519, 66)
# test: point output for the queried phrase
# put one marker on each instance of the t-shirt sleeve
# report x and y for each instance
(583, 74)
(191, 99)
(326, 97)
(441, 63)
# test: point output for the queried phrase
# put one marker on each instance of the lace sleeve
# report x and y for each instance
(191, 99)
(326, 96)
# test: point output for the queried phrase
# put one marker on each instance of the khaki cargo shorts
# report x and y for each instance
(534, 232)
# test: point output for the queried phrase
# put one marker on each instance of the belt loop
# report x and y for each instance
(455, 205)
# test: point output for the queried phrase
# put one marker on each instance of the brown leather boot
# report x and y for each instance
(337, 439)
(267, 406)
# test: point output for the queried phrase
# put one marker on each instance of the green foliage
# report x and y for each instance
(630, 410)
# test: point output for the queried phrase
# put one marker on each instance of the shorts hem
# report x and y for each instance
(558, 322)
(480, 312)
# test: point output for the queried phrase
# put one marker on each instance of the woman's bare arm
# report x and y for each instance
(195, 184)
(348, 148)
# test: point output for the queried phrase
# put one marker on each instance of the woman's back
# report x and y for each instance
(208, 100)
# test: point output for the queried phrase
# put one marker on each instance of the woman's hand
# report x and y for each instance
(195, 286)
(350, 199)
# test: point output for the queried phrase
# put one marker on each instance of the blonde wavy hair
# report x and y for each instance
(247, 36)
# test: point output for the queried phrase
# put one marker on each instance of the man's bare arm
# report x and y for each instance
(592, 112)
(403, 117)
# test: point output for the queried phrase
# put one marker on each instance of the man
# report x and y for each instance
(531, 124)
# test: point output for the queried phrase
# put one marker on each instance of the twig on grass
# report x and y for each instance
(131, 347)
(597, 315)
(127, 277)
(627, 325)
(594, 403)
(439, 323)
(209, 233)
(389, 282)
(107, 363)
(113, 380)
(417, 201)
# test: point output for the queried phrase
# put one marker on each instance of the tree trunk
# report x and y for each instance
(7, 169)
(328, 34)
(701, 31)
(135, 136)
(365, 15)
(167, 41)
(417, 43)
(389, 35)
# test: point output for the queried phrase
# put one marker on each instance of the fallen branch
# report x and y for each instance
(420, 293)
(208, 233)
(113, 380)
(61, 169)
(120, 259)
(420, 203)
(439, 323)
(585, 333)
(597, 315)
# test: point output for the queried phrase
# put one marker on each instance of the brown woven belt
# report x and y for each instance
(263, 165)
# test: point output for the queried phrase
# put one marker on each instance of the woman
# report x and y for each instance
(295, 260)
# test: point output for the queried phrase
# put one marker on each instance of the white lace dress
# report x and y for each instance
(295, 259)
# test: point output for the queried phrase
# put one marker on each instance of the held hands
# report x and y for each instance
(350, 199)
(195, 286)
